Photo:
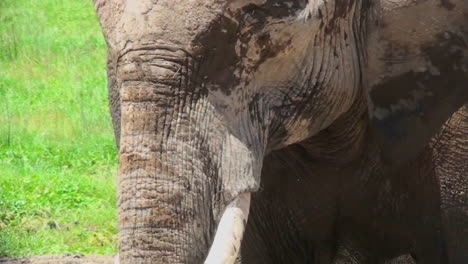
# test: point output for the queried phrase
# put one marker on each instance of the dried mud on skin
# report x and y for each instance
(59, 260)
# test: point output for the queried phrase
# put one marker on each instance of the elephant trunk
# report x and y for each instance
(166, 176)
(173, 149)
(182, 161)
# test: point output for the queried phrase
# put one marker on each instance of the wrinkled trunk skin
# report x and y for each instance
(165, 185)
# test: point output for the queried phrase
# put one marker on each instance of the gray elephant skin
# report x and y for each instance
(345, 120)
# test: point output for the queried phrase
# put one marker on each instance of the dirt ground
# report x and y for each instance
(103, 260)
(60, 260)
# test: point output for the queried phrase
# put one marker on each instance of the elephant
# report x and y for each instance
(289, 131)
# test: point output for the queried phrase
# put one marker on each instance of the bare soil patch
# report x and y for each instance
(59, 260)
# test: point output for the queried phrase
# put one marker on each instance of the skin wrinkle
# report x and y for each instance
(192, 140)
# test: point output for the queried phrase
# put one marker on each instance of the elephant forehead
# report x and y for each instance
(175, 21)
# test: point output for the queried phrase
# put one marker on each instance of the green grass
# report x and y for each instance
(57, 153)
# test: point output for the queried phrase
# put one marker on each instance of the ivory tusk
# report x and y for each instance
(228, 237)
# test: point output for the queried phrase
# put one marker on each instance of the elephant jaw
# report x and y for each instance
(227, 241)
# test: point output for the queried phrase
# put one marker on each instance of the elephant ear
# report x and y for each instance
(408, 110)
(114, 97)
(109, 13)
(415, 83)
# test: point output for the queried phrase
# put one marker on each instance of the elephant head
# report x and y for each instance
(202, 90)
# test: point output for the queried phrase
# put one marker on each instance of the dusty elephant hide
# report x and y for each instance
(343, 119)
